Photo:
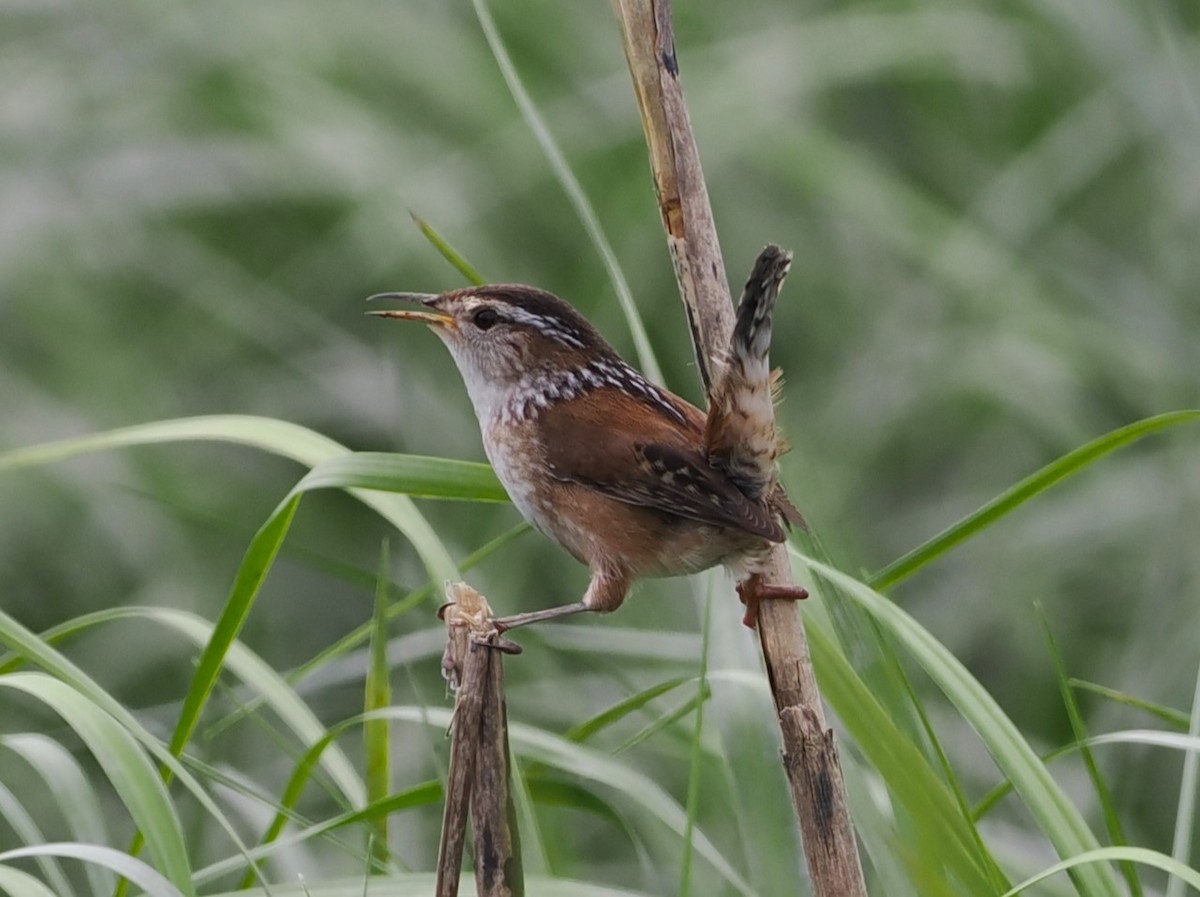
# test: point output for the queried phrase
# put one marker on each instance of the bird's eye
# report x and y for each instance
(486, 318)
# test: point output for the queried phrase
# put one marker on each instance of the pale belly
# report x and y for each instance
(522, 476)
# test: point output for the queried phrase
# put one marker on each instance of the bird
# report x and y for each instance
(629, 478)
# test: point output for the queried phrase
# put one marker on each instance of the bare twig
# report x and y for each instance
(479, 772)
(810, 756)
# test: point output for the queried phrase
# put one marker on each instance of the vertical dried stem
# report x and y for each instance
(809, 754)
(479, 762)
(467, 709)
(498, 870)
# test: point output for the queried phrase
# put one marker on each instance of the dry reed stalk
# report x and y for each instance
(809, 753)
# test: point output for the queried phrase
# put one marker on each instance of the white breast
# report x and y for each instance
(516, 458)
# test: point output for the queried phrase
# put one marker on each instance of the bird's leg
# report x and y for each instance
(753, 591)
(503, 624)
(605, 593)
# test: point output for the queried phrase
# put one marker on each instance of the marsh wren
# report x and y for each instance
(629, 478)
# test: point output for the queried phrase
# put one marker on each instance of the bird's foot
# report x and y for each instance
(503, 624)
(753, 591)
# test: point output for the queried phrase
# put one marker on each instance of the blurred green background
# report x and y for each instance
(995, 214)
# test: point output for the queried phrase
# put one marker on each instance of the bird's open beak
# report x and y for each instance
(432, 316)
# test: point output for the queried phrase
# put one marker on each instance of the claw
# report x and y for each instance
(752, 591)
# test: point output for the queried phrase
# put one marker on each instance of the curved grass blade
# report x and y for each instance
(1175, 718)
(1059, 819)
(414, 475)
(1129, 736)
(67, 784)
(1115, 855)
(26, 829)
(585, 730)
(129, 868)
(125, 765)
(270, 688)
(16, 883)
(417, 476)
(909, 776)
(276, 436)
(246, 584)
(1185, 813)
(1012, 498)
(423, 795)
(29, 646)
(264, 547)
(666, 722)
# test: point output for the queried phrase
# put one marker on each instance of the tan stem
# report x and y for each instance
(809, 753)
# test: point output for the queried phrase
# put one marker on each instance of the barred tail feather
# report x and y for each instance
(740, 431)
(752, 332)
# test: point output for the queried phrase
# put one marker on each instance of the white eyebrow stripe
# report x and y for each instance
(551, 327)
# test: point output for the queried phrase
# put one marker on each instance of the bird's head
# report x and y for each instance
(501, 335)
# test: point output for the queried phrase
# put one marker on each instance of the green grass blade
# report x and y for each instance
(291, 796)
(66, 783)
(1116, 832)
(376, 730)
(619, 711)
(125, 765)
(423, 795)
(1173, 740)
(24, 643)
(665, 721)
(1175, 718)
(275, 436)
(129, 868)
(1059, 820)
(906, 771)
(1185, 813)
(16, 883)
(647, 360)
(1012, 498)
(257, 561)
(27, 831)
(246, 584)
(535, 858)
(696, 754)
(1111, 820)
(1115, 854)
(255, 673)
(1152, 737)
(449, 253)
(413, 475)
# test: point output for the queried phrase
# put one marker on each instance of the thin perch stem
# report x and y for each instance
(809, 753)
(479, 777)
